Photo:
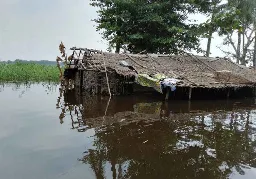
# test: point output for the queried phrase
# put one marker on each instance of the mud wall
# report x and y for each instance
(94, 82)
(78, 81)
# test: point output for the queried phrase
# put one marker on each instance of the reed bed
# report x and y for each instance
(24, 72)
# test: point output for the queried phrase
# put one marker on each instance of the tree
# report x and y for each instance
(236, 17)
(254, 26)
(254, 49)
(210, 27)
(155, 26)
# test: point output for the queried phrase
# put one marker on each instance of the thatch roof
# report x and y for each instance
(194, 71)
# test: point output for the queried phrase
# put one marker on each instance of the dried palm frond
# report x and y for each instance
(70, 58)
(58, 59)
(62, 49)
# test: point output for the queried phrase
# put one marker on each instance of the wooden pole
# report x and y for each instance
(109, 92)
(167, 93)
(190, 94)
(189, 106)
(106, 110)
(228, 93)
(135, 61)
(254, 91)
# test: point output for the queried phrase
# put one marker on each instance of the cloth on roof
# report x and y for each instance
(147, 81)
(169, 82)
(125, 64)
(157, 81)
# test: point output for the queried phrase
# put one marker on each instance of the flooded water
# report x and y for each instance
(46, 133)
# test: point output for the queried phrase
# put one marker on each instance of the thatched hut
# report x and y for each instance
(98, 72)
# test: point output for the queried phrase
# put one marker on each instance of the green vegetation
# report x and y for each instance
(41, 62)
(154, 26)
(23, 72)
(167, 26)
(235, 21)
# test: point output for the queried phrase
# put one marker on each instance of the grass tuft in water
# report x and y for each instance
(22, 72)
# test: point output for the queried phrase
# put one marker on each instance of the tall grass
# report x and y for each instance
(23, 72)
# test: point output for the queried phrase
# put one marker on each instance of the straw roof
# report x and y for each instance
(193, 71)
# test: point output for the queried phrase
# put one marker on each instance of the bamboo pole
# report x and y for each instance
(254, 91)
(189, 106)
(135, 61)
(167, 93)
(106, 110)
(228, 93)
(109, 92)
(190, 94)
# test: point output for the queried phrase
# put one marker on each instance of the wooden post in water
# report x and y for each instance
(109, 92)
(228, 93)
(167, 93)
(190, 94)
(189, 106)
(254, 91)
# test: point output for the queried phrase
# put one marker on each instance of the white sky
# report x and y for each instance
(33, 29)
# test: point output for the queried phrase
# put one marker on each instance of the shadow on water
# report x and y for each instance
(143, 137)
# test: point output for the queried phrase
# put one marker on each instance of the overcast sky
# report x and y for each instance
(33, 29)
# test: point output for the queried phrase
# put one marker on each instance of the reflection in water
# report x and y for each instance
(24, 87)
(139, 137)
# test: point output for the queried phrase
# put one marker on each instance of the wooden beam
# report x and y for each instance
(109, 92)
(167, 93)
(254, 91)
(190, 94)
(189, 106)
(135, 61)
(228, 93)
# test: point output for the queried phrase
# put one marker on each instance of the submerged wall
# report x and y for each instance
(212, 93)
(95, 82)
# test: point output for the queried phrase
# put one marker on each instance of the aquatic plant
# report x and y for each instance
(23, 72)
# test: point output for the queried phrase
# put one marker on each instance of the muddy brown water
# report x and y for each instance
(46, 133)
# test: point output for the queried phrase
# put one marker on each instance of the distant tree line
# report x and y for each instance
(41, 62)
